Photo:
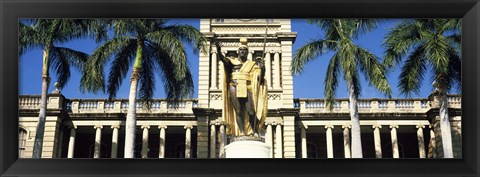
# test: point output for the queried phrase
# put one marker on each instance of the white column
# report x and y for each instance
(161, 149)
(276, 59)
(346, 141)
(114, 153)
(145, 141)
(279, 144)
(268, 68)
(269, 138)
(222, 72)
(394, 141)
(221, 141)
(213, 141)
(98, 141)
(213, 76)
(329, 135)
(71, 142)
(250, 55)
(303, 135)
(377, 141)
(188, 140)
(421, 143)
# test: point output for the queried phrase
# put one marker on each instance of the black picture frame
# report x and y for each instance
(11, 11)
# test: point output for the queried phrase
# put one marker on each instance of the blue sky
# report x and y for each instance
(309, 84)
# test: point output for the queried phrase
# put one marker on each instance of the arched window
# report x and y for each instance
(22, 140)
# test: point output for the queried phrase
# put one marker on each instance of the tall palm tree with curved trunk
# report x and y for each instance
(47, 34)
(349, 59)
(148, 46)
(428, 44)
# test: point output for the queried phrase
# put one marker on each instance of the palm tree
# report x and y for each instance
(47, 34)
(350, 60)
(430, 44)
(149, 46)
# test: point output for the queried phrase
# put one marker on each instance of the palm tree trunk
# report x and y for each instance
(38, 145)
(131, 122)
(445, 128)
(356, 133)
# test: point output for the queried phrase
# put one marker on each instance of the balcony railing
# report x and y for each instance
(420, 105)
(29, 102)
(112, 106)
(185, 106)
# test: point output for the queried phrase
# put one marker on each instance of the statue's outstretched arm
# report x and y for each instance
(220, 55)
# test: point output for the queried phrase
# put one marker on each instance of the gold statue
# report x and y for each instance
(244, 93)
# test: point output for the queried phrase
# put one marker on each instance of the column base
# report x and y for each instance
(247, 149)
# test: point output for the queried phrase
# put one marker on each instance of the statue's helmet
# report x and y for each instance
(243, 43)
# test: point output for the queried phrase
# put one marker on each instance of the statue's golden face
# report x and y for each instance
(242, 53)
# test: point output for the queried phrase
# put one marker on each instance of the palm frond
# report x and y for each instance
(436, 51)
(375, 73)
(190, 35)
(119, 67)
(28, 38)
(398, 42)
(173, 47)
(412, 73)
(92, 76)
(309, 52)
(328, 26)
(454, 76)
(174, 87)
(363, 26)
(331, 81)
(59, 63)
(76, 59)
(147, 78)
(347, 57)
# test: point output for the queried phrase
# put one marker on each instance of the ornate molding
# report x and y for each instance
(274, 96)
(216, 96)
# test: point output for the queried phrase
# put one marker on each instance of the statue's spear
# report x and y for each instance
(265, 39)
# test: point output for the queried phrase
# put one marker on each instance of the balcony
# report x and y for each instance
(416, 105)
(112, 106)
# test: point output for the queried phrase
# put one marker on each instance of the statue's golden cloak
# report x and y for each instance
(258, 92)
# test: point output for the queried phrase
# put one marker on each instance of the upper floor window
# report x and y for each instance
(22, 140)
(219, 20)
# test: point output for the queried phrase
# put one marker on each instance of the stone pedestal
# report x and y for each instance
(247, 149)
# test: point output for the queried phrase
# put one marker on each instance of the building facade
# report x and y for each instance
(295, 127)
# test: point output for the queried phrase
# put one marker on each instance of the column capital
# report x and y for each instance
(213, 51)
(430, 126)
(377, 126)
(329, 126)
(145, 126)
(98, 126)
(72, 127)
(393, 126)
(346, 126)
(115, 126)
(162, 126)
(275, 123)
(188, 126)
(278, 51)
(420, 126)
(218, 123)
(303, 126)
